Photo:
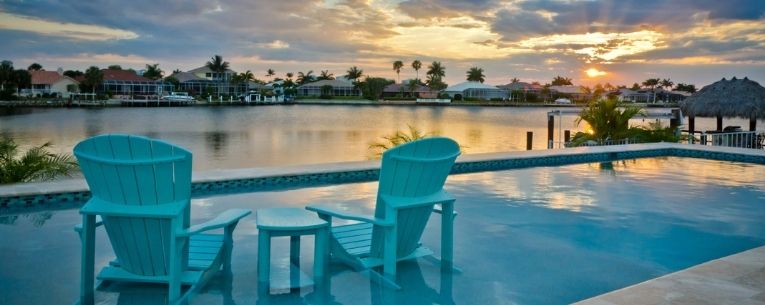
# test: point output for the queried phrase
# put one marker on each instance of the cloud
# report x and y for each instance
(443, 9)
(62, 29)
(527, 39)
(276, 44)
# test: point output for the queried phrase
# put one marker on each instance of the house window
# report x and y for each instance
(208, 75)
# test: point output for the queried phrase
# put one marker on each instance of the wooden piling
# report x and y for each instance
(550, 130)
(529, 140)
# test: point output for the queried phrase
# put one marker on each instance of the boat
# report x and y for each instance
(182, 97)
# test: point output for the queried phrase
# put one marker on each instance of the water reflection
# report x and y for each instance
(217, 140)
(240, 137)
(36, 219)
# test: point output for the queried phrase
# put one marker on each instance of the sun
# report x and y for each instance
(592, 72)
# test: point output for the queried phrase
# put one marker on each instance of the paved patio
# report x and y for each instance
(735, 279)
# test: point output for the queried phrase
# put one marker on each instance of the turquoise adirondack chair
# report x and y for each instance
(411, 184)
(141, 189)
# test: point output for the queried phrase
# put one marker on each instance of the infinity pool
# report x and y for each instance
(548, 235)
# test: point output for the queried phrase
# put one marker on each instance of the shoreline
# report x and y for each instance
(359, 102)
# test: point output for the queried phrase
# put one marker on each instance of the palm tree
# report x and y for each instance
(561, 81)
(436, 70)
(667, 83)
(514, 80)
(290, 75)
(652, 83)
(6, 73)
(416, 65)
(325, 75)
(397, 65)
(436, 73)
(93, 78)
(475, 74)
(270, 73)
(35, 67)
(354, 73)
(305, 78)
(153, 72)
(36, 164)
(219, 68)
(247, 76)
(217, 65)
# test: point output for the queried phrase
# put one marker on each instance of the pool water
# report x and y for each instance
(548, 235)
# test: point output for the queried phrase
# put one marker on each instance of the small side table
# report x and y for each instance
(292, 222)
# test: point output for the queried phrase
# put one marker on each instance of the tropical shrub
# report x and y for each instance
(36, 164)
(397, 138)
(608, 120)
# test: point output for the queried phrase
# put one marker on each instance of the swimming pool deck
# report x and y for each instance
(736, 279)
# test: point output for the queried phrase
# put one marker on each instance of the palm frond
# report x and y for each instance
(36, 164)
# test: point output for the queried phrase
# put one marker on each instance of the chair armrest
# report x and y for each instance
(398, 201)
(437, 209)
(99, 222)
(96, 206)
(322, 210)
(223, 220)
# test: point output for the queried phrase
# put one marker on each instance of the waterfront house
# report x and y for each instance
(128, 84)
(575, 93)
(403, 90)
(521, 91)
(339, 88)
(475, 90)
(202, 80)
(51, 83)
(527, 88)
(205, 72)
(657, 95)
(635, 96)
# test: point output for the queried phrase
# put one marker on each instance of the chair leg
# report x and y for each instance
(87, 269)
(389, 255)
(228, 246)
(447, 235)
(174, 274)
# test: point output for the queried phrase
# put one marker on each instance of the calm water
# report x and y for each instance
(237, 137)
(549, 235)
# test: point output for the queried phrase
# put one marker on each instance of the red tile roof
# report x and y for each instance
(124, 75)
(45, 77)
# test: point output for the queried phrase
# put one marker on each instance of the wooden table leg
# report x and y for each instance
(295, 260)
(321, 253)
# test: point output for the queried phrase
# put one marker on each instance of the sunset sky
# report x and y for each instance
(590, 41)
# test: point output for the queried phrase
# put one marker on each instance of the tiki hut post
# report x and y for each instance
(719, 123)
(691, 124)
(753, 122)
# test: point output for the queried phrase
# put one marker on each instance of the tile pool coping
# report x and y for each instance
(23, 197)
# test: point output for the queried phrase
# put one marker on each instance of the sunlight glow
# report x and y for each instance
(592, 72)
(598, 46)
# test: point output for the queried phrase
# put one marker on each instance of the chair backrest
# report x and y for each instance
(414, 169)
(135, 170)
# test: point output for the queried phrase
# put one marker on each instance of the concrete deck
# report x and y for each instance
(737, 279)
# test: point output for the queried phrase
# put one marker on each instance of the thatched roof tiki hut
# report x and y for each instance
(727, 98)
